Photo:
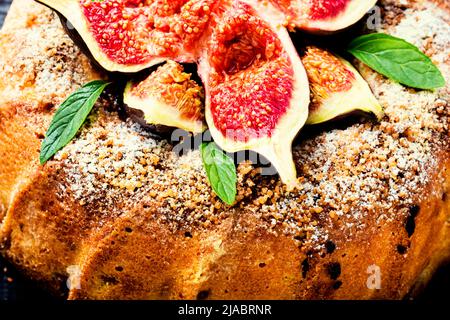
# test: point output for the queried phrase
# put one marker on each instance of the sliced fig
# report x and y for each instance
(323, 15)
(257, 91)
(336, 87)
(256, 88)
(131, 35)
(168, 97)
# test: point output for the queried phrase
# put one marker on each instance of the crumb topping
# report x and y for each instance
(52, 60)
(115, 164)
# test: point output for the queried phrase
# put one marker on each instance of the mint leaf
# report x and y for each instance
(221, 172)
(69, 118)
(398, 60)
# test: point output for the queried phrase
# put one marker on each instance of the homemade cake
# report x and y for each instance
(120, 211)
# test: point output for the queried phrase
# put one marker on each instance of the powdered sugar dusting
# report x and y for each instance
(41, 55)
(350, 179)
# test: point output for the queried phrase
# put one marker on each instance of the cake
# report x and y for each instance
(122, 215)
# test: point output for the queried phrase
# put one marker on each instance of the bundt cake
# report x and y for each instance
(119, 214)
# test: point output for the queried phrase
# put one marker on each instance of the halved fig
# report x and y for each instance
(323, 15)
(256, 88)
(336, 87)
(168, 97)
(131, 35)
(257, 91)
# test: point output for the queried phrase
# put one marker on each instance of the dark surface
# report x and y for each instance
(4, 5)
(14, 286)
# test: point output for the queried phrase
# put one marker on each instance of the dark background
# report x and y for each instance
(4, 4)
(13, 286)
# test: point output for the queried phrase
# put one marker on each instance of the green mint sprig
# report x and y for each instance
(69, 118)
(398, 60)
(221, 172)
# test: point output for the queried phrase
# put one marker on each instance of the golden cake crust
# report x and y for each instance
(138, 221)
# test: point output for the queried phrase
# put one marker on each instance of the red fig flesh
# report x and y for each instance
(168, 97)
(323, 15)
(256, 87)
(336, 87)
(132, 35)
